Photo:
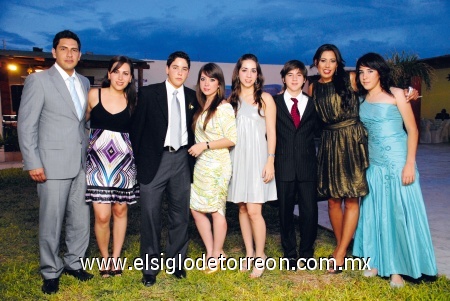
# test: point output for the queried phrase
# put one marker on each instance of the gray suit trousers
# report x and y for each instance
(59, 198)
(172, 177)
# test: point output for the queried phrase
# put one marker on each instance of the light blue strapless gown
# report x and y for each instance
(393, 227)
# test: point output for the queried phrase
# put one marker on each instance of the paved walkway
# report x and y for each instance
(433, 161)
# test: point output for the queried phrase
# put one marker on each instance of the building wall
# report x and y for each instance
(157, 73)
(438, 97)
(98, 74)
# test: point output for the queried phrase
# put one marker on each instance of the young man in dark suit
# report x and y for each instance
(161, 135)
(296, 163)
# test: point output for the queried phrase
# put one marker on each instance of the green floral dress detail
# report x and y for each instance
(212, 171)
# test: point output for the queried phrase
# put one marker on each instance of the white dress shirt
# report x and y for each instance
(77, 83)
(301, 104)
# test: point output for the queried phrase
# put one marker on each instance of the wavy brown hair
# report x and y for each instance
(130, 90)
(236, 85)
(213, 71)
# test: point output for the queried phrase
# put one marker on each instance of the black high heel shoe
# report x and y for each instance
(337, 269)
(104, 273)
(115, 273)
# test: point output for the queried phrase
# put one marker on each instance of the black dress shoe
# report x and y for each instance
(80, 274)
(50, 286)
(148, 280)
(292, 264)
(180, 274)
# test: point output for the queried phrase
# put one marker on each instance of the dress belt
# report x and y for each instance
(342, 124)
(172, 150)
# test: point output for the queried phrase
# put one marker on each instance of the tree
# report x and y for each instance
(407, 70)
(405, 67)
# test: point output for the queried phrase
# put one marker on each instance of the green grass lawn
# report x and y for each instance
(20, 278)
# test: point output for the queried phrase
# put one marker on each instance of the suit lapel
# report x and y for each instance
(162, 101)
(189, 106)
(308, 110)
(60, 85)
(284, 109)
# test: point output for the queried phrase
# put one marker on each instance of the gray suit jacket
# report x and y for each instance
(50, 133)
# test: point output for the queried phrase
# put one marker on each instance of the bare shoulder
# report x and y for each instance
(398, 93)
(310, 88)
(93, 92)
(352, 76)
(93, 97)
(267, 97)
(268, 103)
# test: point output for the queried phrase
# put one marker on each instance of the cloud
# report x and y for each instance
(275, 31)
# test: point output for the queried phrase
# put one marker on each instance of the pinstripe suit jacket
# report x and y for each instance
(50, 134)
(295, 154)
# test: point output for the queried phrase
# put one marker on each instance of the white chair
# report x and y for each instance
(425, 133)
(435, 131)
(445, 135)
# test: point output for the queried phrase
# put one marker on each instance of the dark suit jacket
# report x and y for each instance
(149, 128)
(295, 154)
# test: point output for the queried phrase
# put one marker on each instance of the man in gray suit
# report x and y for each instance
(53, 145)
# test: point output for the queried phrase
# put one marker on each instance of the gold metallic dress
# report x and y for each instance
(343, 154)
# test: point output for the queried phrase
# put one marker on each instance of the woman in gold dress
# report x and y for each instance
(342, 155)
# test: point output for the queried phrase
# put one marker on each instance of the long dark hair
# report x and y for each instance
(376, 62)
(213, 71)
(341, 79)
(236, 85)
(130, 91)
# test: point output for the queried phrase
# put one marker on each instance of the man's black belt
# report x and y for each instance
(172, 150)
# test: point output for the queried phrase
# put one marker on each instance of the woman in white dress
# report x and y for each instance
(252, 182)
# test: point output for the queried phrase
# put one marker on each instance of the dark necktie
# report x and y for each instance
(295, 113)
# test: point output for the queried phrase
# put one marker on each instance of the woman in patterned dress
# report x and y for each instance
(215, 132)
(110, 167)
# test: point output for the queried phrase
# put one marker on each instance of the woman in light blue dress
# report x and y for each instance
(393, 228)
(252, 181)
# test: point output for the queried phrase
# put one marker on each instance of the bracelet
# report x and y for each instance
(207, 145)
(271, 155)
